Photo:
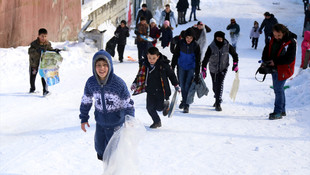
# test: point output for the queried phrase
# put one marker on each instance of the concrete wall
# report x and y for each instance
(115, 10)
(20, 20)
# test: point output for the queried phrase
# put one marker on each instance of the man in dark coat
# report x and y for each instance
(142, 29)
(122, 32)
(280, 52)
(267, 25)
(182, 7)
(217, 56)
(147, 14)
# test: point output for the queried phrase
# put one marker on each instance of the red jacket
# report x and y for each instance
(286, 55)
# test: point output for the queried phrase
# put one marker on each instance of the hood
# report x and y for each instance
(105, 55)
(307, 35)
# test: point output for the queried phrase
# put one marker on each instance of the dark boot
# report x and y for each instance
(186, 109)
(275, 116)
(181, 106)
(156, 125)
(218, 107)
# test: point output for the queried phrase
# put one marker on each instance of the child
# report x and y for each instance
(187, 57)
(305, 45)
(166, 34)
(154, 31)
(36, 47)
(175, 41)
(254, 35)
(218, 64)
(142, 29)
(152, 78)
(122, 32)
(112, 101)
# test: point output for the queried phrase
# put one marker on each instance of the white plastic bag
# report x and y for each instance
(120, 157)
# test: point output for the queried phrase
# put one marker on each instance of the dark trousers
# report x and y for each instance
(102, 138)
(267, 38)
(193, 12)
(120, 50)
(181, 17)
(33, 71)
(142, 50)
(254, 42)
(217, 85)
(154, 103)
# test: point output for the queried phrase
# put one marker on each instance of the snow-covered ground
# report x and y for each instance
(43, 136)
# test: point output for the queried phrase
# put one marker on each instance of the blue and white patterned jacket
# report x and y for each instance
(112, 98)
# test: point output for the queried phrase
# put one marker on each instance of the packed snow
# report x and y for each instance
(43, 135)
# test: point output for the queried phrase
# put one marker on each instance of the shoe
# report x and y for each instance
(275, 116)
(214, 104)
(189, 20)
(120, 61)
(186, 109)
(156, 125)
(195, 19)
(283, 114)
(218, 107)
(198, 9)
(31, 91)
(166, 108)
(181, 106)
(46, 93)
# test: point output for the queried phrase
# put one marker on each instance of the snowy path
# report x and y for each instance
(43, 136)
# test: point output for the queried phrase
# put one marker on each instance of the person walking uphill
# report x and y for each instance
(187, 57)
(234, 30)
(122, 32)
(167, 14)
(153, 79)
(254, 34)
(144, 12)
(182, 7)
(217, 56)
(41, 44)
(142, 29)
(112, 101)
(267, 25)
(166, 34)
(280, 52)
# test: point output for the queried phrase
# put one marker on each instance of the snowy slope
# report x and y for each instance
(43, 136)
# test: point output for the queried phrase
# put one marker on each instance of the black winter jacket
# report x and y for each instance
(268, 24)
(121, 35)
(147, 14)
(160, 72)
(182, 5)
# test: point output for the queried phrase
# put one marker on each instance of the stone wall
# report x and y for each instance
(20, 20)
(115, 11)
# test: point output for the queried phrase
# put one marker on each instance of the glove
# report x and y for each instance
(177, 88)
(133, 86)
(235, 67)
(196, 79)
(204, 72)
(57, 50)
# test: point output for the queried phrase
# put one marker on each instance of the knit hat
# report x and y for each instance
(152, 20)
(267, 14)
(167, 23)
(219, 34)
(199, 23)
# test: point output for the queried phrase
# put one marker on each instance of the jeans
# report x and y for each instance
(234, 40)
(278, 87)
(185, 78)
(102, 138)
(193, 11)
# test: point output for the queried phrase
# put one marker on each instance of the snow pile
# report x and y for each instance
(299, 92)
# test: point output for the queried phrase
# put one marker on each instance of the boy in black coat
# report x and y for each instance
(152, 78)
(122, 32)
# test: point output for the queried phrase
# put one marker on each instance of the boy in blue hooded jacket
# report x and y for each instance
(112, 101)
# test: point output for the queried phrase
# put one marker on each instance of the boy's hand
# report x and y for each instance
(133, 86)
(83, 126)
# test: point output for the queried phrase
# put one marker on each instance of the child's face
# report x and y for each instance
(143, 22)
(189, 39)
(255, 25)
(152, 58)
(42, 37)
(165, 25)
(153, 24)
(102, 69)
(123, 25)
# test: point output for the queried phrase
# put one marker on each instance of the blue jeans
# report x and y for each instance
(278, 87)
(234, 40)
(185, 78)
(193, 11)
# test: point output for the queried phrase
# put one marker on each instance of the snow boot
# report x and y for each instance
(181, 106)
(46, 93)
(186, 109)
(166, 108)
(156, 125)
(275, 116)
(218, 107)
